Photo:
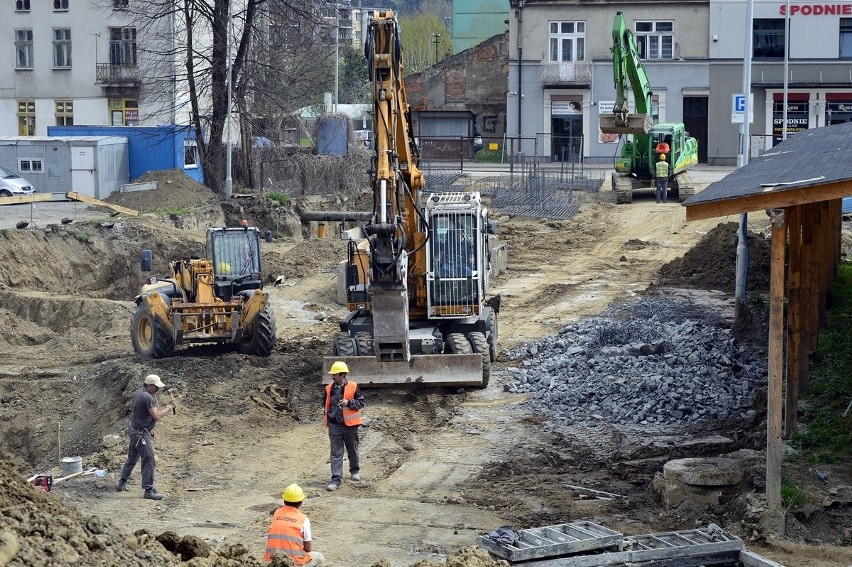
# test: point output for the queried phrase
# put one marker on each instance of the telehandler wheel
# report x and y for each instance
(259, 337)
(148, 335)
(480, 345)
(364, 342)
(457, 343)
(344, 345)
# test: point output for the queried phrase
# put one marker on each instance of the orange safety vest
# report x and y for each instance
(285, 536)
(350, 416)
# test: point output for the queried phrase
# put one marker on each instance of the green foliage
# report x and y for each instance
(279, 197)
(4, 231)
(791, 495)
(488, 156)
(421, 35)
(828, 434)
(305, 143)
(354, 78)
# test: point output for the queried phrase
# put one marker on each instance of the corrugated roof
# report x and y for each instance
(811, 166)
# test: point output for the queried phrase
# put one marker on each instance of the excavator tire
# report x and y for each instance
(492, 339)
(480, 346)
(149, 337)
(344, 345)
(259, 337)
(364, 343)
(457, 343)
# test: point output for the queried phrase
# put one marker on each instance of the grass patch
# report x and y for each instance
(791, 495)
(828, 435)
(488, 156)
(171, 211)
(279, 197)
(4, 231)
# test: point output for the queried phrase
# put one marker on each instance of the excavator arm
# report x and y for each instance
(627, 69)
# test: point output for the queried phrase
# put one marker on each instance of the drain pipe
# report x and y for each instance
(520, 69)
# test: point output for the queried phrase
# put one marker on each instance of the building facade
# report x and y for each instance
(560, 71)
(79, 62)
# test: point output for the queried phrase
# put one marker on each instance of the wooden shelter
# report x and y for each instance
(800, 184)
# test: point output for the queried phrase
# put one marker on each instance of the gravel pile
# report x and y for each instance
(655, 361)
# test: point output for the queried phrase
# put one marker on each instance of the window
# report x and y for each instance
(190, 154)
(124, 112)
(120, 4)
(64, 113)
(26, 118)
(655, 39)
(30, 165)
(60, 5)
(567, 41)
(846, 38)
(22, 5)
(23, 49)
(122, 46)
(768, 38)
(62, 48)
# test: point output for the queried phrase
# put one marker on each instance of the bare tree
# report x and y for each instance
(279, 59)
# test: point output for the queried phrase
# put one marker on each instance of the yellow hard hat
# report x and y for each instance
(293, 493)
(662, 157)
(339, 367)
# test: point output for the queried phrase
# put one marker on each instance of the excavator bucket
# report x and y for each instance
(431, 369)
(629, 124)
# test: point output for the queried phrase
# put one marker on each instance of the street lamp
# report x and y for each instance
(436, 39)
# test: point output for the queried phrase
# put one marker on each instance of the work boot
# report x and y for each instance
(152, 494)
(356, 477)
(332, 486)
(122, 485)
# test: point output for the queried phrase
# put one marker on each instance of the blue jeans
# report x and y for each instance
(662, 189)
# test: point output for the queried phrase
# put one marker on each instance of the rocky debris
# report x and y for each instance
(655, 361)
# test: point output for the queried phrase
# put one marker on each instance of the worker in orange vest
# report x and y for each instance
(289, 534)
(342, 418)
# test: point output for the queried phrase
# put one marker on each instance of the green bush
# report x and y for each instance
(827, 436)
(279, 197)
(488, 156)
(791, 495)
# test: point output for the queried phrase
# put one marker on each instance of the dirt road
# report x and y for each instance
(440, 468)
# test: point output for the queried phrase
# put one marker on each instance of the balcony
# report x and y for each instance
(110, 75)
(568, 73)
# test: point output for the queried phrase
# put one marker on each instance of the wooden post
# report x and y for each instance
(776, 372)
(821, 260)
(794, 319)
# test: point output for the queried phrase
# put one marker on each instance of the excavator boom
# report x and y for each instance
(627, 68)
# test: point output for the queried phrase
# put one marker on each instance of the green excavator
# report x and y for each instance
(635, 163)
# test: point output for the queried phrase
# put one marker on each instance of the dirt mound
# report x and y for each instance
(175, 190)
(36, 525)
(711, 264)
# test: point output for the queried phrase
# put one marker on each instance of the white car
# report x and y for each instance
(13, 184)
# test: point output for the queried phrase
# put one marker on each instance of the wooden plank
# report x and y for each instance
(823, 260)
(774, 454)
(24, 199)
(769, 199)
(794, 310)
(98, 203)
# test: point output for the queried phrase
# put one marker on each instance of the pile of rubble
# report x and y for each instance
(655, 361)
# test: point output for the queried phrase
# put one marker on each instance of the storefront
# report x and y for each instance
(566, 128)
(798, 112)
(838, 108)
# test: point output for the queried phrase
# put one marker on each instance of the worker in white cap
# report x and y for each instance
(144, 415)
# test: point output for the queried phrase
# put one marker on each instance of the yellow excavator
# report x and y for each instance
(217, 299)
(416, 279)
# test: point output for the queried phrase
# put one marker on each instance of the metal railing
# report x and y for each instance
(106, 73)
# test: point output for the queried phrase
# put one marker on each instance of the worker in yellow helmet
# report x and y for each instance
(662, 174)
(342, 418)
(289, 534)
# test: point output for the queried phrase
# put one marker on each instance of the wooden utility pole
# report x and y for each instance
(776, 371)
(794, 318)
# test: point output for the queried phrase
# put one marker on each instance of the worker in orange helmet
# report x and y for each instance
(342, 418)
(289, 534)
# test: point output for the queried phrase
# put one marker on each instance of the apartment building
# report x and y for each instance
(560, 71)
(77, 62)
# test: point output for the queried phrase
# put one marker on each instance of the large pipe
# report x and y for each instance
(308, 216)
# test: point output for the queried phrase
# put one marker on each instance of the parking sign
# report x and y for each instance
(738, 104)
